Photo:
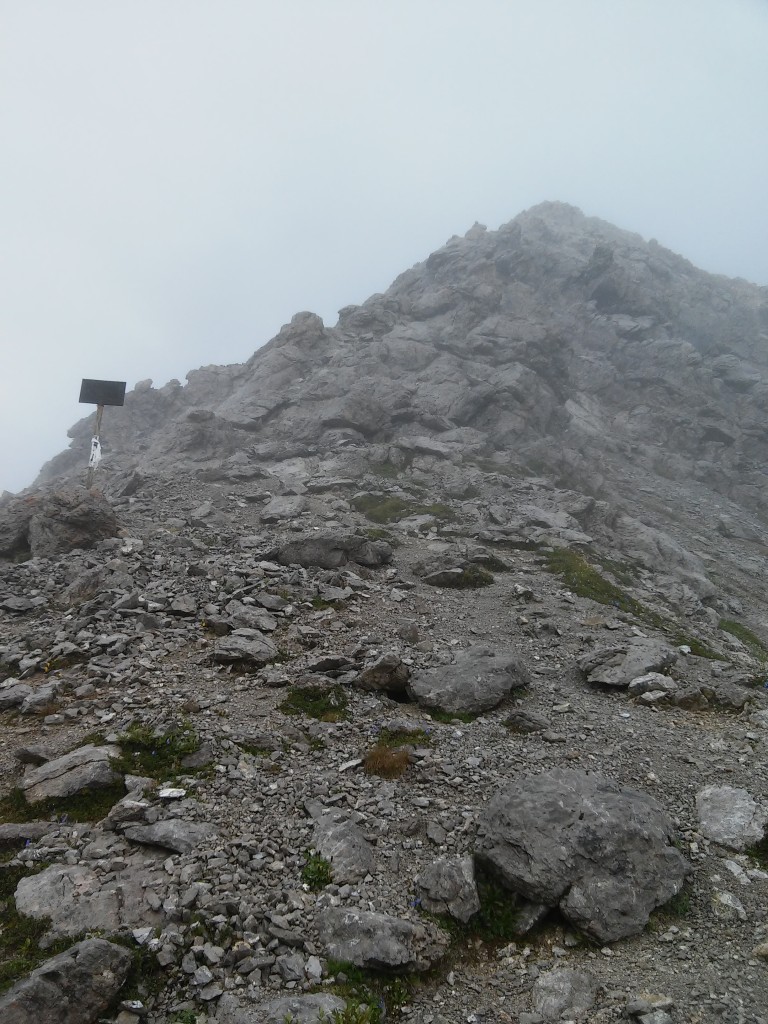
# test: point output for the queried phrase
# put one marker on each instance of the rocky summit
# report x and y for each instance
(416, 669)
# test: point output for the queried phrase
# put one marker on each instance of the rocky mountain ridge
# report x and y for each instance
(412, 670)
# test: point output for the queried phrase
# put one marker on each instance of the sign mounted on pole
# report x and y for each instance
(100, 393)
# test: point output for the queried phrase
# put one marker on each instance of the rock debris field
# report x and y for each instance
(414, 670)
(489, 803)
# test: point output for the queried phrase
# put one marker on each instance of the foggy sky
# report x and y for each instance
(179, 177)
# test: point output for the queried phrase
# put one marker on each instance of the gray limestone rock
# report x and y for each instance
(343, 844)
(619, 665)
(12, 835)
(447, 886)
(86, 767)
(13, 696)
(379, 941)
(730, 816)
(172, 833)
(72, 897)
(60, 521)
(388, 674)
(329, 551)
(564, 991)
(580, 842)
(75, 987)
(245, 645)
(479, 680)
(283, 507)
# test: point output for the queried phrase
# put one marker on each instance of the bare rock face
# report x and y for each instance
(75, 987)
(580, 842)
(52, 523)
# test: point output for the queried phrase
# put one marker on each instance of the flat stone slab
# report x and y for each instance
(730, 816)
(87, 767)
(172, 834)
(578, 841)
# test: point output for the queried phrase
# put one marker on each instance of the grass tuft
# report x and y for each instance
(316, 873)
(380, 508)
(386, 762)
(87, 805)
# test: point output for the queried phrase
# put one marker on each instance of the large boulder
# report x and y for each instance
(580, 842)
(329, 551)
(479, 680)
(75, 987)
(51, 523)
(380, 941)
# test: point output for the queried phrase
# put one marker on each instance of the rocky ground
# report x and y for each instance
(574, 726)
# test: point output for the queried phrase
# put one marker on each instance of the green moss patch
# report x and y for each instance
(753, 643)
(88, 805)
(372, 996)
(380, 508)
(403, 737)
(326, 703)
(145, 751)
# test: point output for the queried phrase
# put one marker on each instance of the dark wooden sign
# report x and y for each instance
(102, 392)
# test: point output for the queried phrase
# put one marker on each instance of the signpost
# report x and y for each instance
(100, 393)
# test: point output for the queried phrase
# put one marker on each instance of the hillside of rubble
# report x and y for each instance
(416, 669)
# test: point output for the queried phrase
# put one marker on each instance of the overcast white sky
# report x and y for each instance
(179, 177)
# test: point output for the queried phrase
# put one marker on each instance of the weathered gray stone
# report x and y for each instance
(283, 507)
(379, 941)
(479, 680)
(388, 674)
(75, 987)
(14, 696)
(329, 551)
(447, 886)
(14, 835)
(564, 989)
(619, 665)
(580, 842)
(343, 844)
(86, 767)
(72, 897)
(652, 682)
(246, 645)
(172, 833)
(730, 816)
